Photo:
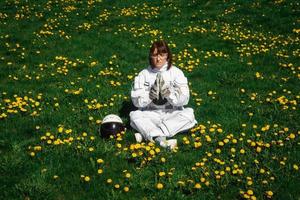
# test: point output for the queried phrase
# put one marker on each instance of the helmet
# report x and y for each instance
(111, 125)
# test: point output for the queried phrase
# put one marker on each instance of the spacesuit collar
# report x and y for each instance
(162, 69)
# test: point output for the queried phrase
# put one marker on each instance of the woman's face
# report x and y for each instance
(159, 60)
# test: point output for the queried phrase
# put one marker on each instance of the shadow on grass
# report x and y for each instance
(126, 108)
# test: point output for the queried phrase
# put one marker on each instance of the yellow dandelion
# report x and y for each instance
(221, 143)
(152, 152)
(60, 129)
(292, 136)
(258, 149)
(127, 175)
(91, 149)
(109, 181)
(157, 150)
(126, 189)
(87, 179)
(250, 192)
(159, 186)
(55, 177)
(92, 64)
(269, 194)
(134, 155)
(162, 173)
(295, 167)
(218, 150)
(180, 182)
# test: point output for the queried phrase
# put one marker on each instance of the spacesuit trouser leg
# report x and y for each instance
(146, 123)
(178, 121)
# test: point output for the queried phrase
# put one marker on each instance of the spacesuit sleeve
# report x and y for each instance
(180, 92)
(139, 94)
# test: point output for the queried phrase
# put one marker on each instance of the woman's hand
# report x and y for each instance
(165, 92)
(164, 89)
(154, 93)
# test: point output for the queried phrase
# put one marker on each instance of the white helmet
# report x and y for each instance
(112, 118)
(111, 125)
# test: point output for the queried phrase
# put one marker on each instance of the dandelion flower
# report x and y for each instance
(269, 194)
(126, 189)
(134, 155)
(295, 167)
(162, 173)
(197, 186)
(91, 149)
(127, 175)
(109, 180)
(159, 186)
(250, 192)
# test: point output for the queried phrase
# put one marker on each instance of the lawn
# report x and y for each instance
(65, 64)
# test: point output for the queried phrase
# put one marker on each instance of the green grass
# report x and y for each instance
(41, 41)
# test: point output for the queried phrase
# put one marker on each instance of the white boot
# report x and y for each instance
(161, 141)
(172, 144)
(138, 137)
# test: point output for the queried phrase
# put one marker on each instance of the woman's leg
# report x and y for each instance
(146, 122)
(177, 121)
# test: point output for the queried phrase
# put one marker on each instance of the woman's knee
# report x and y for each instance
(135, 115)
(189, 114)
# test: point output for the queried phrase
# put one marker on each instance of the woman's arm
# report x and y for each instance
(179, 93)
(139, 94)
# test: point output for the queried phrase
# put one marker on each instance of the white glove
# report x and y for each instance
(164, 89)
(154, 91)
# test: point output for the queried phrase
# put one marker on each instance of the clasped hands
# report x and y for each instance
(159, 89)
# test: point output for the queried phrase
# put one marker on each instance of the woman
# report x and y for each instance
(160, 92)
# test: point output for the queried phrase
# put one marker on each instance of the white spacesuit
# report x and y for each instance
(169, 117)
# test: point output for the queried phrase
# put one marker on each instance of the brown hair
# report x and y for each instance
(162, 47)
